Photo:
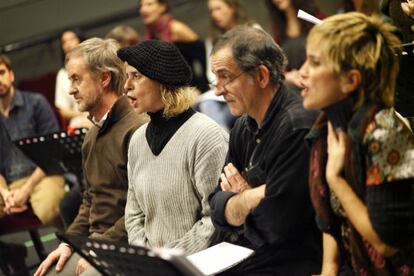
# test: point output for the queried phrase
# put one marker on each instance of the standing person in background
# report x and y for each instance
(175, 160)
(63, 101)
(402, 15)
(362, 157)
(224, 15)
(160, 24)
(290, 32)
(26, 114)
(368, 7)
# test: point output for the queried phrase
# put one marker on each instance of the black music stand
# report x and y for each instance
(119, 258)
(195, 54)
(55, 153)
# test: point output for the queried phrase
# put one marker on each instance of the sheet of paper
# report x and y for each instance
(219, 257)
(308, 17)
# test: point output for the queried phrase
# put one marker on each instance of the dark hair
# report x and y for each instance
(252, 47)
(240, 17)
(368, 7)
(278, 18)
(162, 2)
(79, 34)
(6, 61)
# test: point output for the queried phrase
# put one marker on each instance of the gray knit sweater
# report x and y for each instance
(167, 203)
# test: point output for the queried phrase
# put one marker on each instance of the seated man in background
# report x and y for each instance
(97, 77)
(12, 256)
(25, 115)
(263, 198)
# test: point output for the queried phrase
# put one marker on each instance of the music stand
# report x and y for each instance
(55, 153)
(119, 258)
(195, 54)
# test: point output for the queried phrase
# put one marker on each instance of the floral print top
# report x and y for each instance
(389, 160)
(390, 149)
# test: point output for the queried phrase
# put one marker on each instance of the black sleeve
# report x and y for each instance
(285, 212)
(218, 198)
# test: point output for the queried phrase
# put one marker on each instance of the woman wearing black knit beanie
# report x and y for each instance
(174, 161)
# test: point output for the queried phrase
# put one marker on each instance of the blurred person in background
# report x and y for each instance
(26, 114)
(368, 7)
(401, 13)
(224, 15)
(65, 104)
(125, 35)
(160, 24)
(290, 32)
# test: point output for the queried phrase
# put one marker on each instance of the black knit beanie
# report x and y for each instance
(158, 60)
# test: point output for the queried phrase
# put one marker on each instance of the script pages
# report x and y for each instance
(219, 257)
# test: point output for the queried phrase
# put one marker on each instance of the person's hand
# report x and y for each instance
(15, 209)
(7, 199)
(232, 180)
(408, 8)
(336, 153)
(10, 206)
(60, 254)
(16, 201)
(82, 266)
(293, 76)
(21, 195)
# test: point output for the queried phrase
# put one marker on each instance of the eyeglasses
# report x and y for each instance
(220, 87)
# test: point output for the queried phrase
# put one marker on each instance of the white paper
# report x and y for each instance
(219, 257)
(308, 17)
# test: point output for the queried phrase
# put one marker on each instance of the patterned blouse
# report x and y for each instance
(390, 149)
(389, 197)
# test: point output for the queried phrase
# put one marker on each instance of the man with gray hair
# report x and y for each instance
(262, 201)
(97, 78)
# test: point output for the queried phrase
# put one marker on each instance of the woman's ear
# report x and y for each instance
(350, 81)
(263, 76)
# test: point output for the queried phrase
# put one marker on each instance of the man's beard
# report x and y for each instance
(90, 106)
(5, 92)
